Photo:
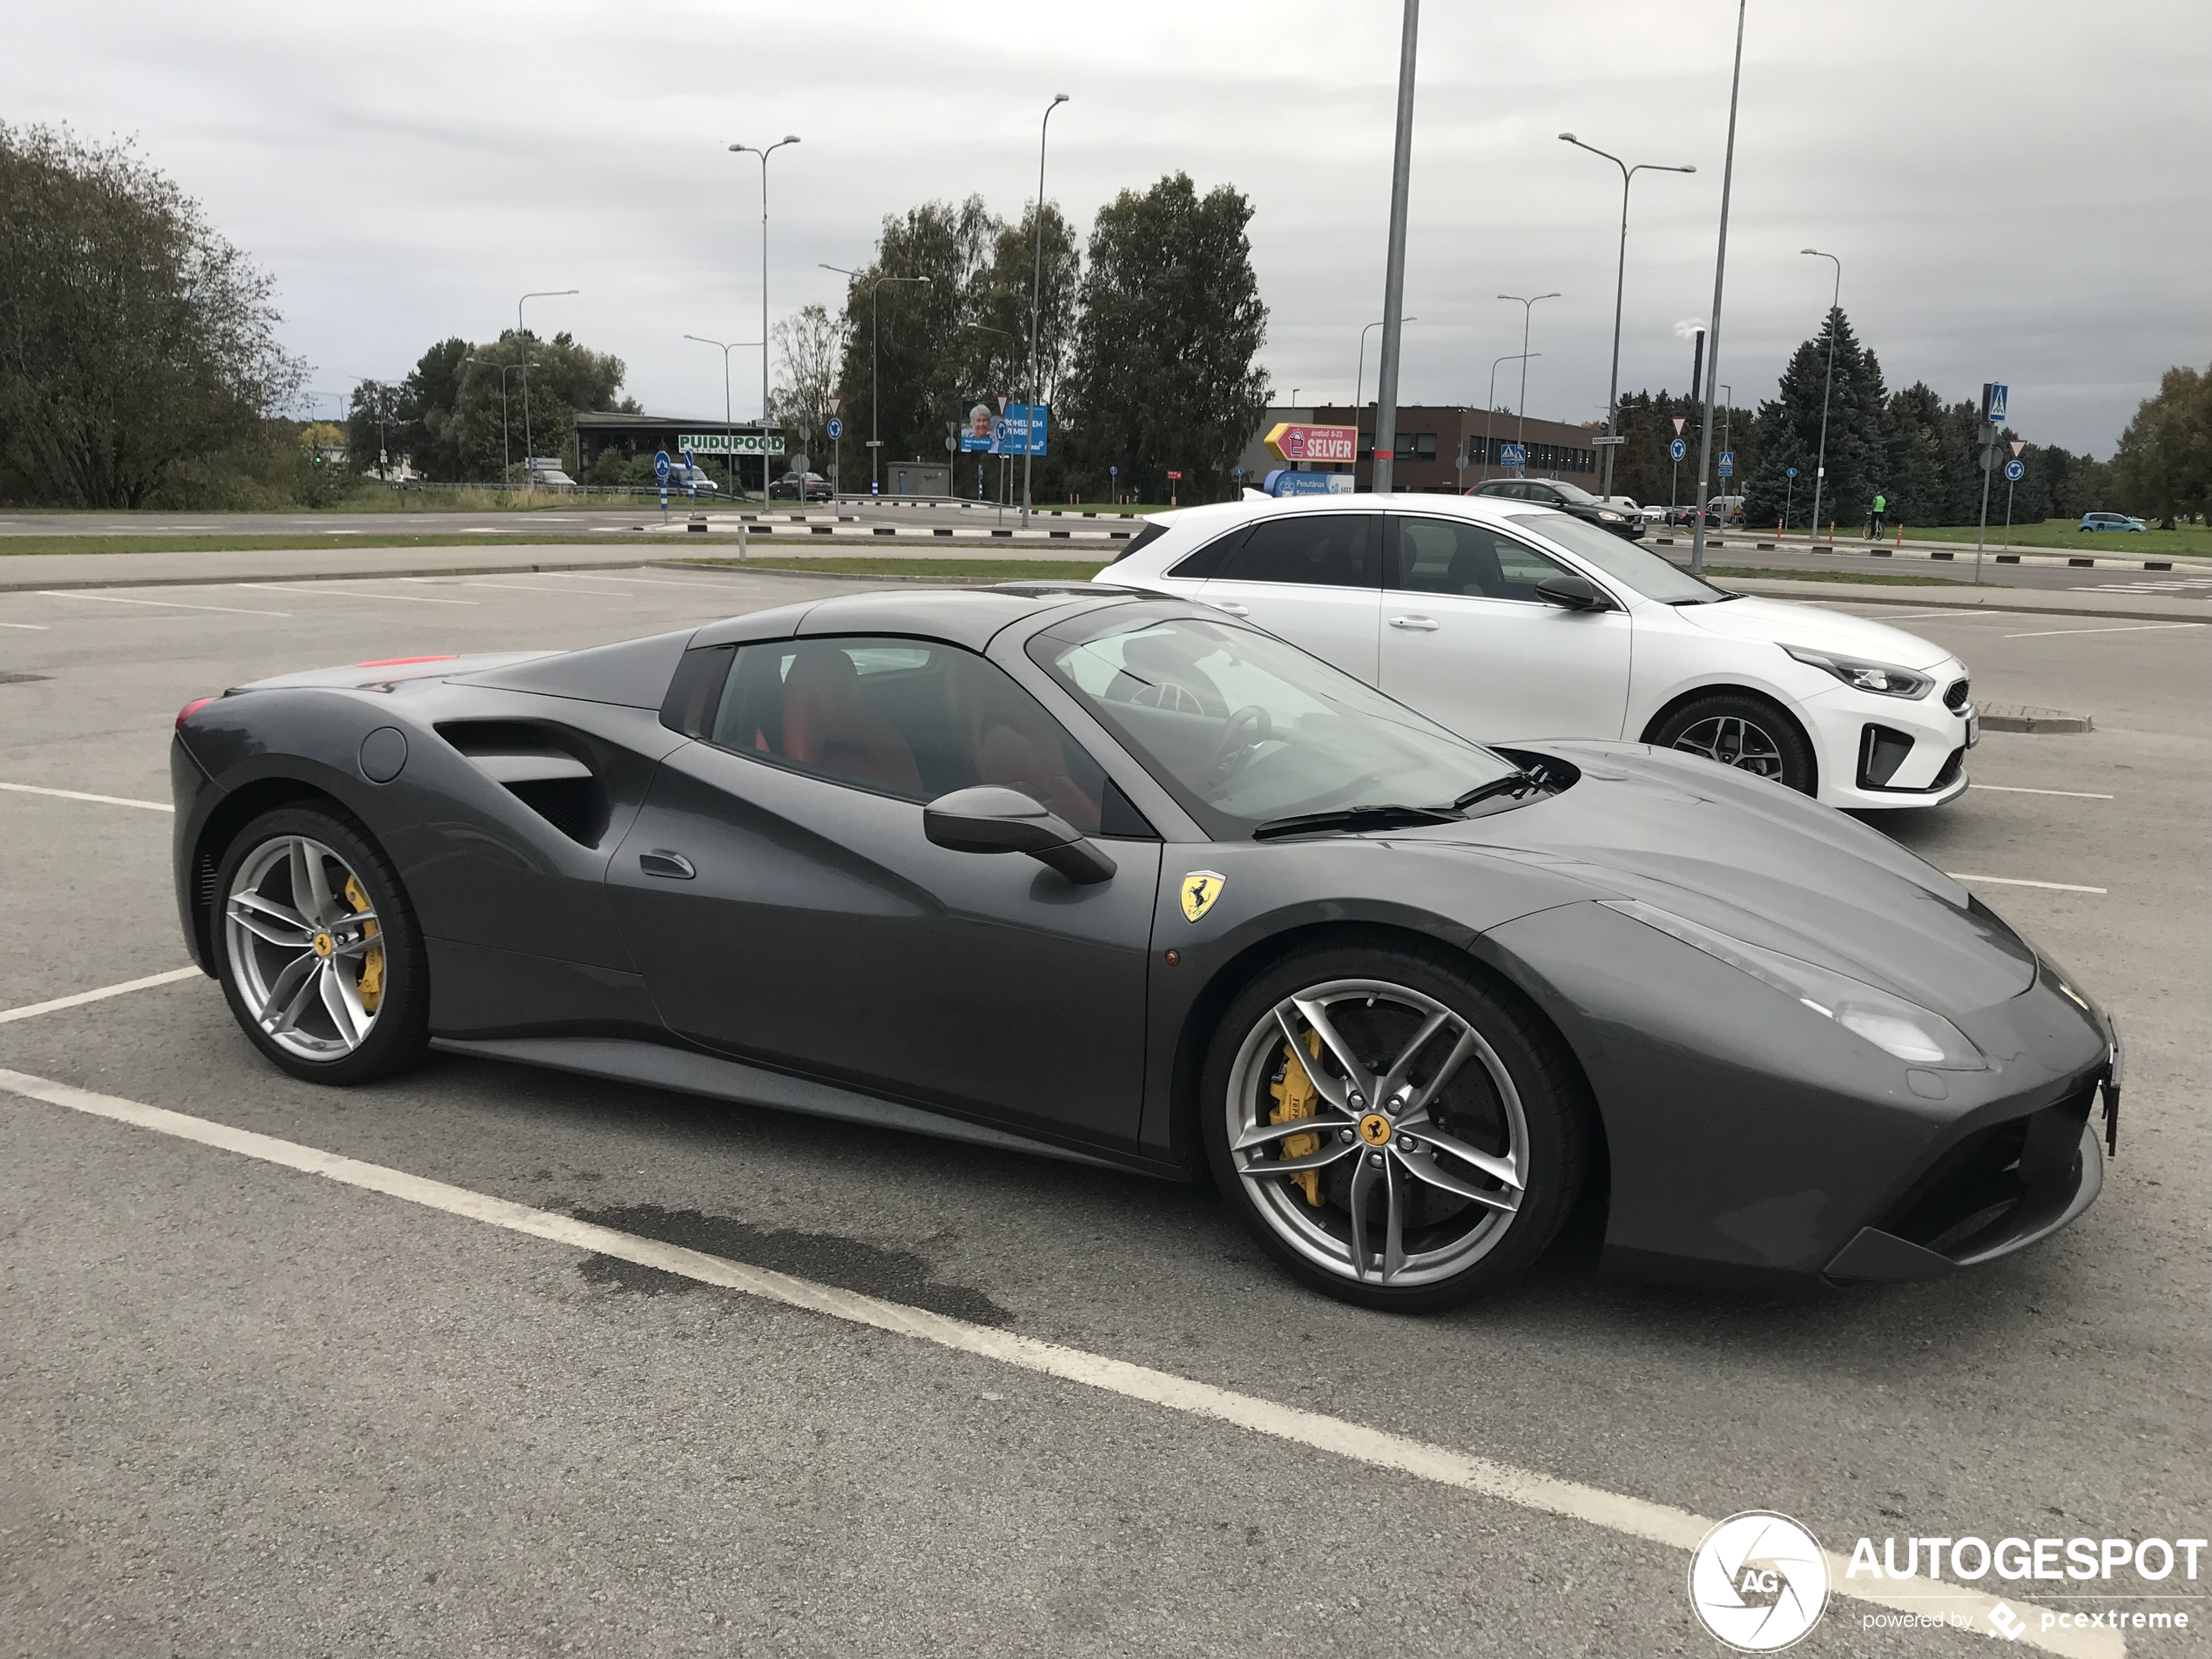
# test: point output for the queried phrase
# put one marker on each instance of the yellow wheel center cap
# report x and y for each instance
(1375, 1128)
(324, 944)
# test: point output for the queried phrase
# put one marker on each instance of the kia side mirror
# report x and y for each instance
(990, 819)
(1572, 592)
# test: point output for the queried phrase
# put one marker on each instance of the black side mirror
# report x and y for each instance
(1572, 592)
(990, 819)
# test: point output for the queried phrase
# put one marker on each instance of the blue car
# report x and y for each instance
(2111, 521)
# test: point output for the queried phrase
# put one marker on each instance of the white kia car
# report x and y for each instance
(1506, 621)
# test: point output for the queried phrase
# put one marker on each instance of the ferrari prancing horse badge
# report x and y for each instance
(1200, 889)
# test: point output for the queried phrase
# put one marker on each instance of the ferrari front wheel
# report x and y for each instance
(318, 949)
(1392, 1127)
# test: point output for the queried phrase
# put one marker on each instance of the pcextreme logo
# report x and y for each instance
(1759, 1582)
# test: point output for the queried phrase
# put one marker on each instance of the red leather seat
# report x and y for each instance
(829, 727)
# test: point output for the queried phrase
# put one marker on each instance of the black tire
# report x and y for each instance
(1737, 729)
(399, 1035)
(1468, 1248)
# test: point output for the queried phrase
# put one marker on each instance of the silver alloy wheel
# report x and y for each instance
(306, 947)
(1397, 1121)
(1734, 741)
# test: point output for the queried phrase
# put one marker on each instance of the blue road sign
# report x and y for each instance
(836, 428)
(1512, 454)
(1239, 471)
(1728, 462)
(1998, 392)
(2014, 471)
(1791, 473)
(1677, 450)
(661, 466)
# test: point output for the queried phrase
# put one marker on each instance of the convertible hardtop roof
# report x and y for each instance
(969, 617)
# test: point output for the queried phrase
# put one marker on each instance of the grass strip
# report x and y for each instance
(990, 570)
(311, 541)
(1877, 579)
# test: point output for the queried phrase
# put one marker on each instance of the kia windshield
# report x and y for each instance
(1252, 734)
(1649, 575)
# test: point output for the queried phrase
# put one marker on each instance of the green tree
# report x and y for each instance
(134, 340)
(810, 351)
(1858, 449)
(461, 420)
(1165, 372)
(2163, 465)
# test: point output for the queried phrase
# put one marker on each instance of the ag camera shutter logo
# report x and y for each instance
(1759, 1582)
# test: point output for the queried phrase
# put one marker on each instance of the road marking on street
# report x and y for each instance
(78, 794)
(2015, 881)
(331, 590)
(518, 587)
(2015, 789)
(1379, 1448)
(163, 604)
(33, 627)
(2133, 627)
(10, 1015)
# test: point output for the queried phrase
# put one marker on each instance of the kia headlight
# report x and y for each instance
(1885, 679)
(1916, 1035)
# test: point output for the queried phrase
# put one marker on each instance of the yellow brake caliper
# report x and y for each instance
(1297, 1097)
(372, 979)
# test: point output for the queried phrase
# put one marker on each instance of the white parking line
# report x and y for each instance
(10, 1015)
(331, 590)
(78, 794)
(2133, 627)
(2015, 789)
(163, 604)
(33, 627)
(1616, 1512)
(2015, 881)
(516, 587)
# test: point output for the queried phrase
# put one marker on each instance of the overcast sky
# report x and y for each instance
(2017, 188)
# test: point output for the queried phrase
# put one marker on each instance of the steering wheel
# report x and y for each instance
(1247, 729)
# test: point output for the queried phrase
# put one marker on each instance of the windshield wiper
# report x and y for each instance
(1354, 817)
(1512, 784)
(1713, 599)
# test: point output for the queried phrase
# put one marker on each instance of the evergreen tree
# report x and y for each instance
(1858, 448)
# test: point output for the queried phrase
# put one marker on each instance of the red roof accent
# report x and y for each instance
(396, 662)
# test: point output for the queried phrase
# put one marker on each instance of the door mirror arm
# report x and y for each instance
(990, 819)
(1572, 592)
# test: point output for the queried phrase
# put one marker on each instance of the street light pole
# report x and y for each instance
(1401, 169)
(1820, 467)
(749, 150)
(1036, 298)
(506, 449)
(1359, 379)
(728, 428)
(1620, 280)
(1720, 272)
(1527, 309)
(875, 403)
(1490, 409)
(542, 293)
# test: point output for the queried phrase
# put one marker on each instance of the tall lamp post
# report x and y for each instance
(1528, 309)
(749, 150)
(1619, 279)
(875, 403)
(1359, 379)
(506, 449)
(1036, 300)
(726, 348)
(1820, 467)
(1720, 272)
(521, 335)
(1490, 407)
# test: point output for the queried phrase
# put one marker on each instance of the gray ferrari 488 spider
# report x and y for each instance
(1104, 876)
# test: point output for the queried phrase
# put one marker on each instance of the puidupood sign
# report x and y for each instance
(1333, 443)
(731, 443)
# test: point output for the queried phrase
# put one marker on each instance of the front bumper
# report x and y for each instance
(1877, 752)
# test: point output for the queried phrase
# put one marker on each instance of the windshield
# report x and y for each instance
(1648, 574)
(1574, 493)
(1247, 730)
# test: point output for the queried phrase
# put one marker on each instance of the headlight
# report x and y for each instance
(1884, 679)
(1611, 518)
(1912, 1034)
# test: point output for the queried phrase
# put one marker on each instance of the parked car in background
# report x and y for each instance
(801, 488)
(693, 479)
(1725, 509)
(2110, 521)
(1568, 498)
(544, 472)
(1508, 622)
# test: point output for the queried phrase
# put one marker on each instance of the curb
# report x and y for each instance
(320, 575)
(2008, 718)
(1951, 555)
(2062, 602)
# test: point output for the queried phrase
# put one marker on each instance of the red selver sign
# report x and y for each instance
(1337, 444)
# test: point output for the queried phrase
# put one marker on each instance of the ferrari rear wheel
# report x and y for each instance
(318, 949)
(1392, 1127)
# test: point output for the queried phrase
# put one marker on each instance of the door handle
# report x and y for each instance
(1230, 606)
(1418, 624)
(661, 862)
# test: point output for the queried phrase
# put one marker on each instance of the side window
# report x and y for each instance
(1322, 549)
(1447, 555)
(913, 718)
(1208, 559)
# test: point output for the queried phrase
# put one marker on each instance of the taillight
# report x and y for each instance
(193, 708)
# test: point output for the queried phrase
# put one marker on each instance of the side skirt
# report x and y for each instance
(688, 1071)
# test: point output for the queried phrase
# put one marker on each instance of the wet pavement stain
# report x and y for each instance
(828, 1258)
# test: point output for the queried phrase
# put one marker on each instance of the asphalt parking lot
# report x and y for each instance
(251, 1411)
